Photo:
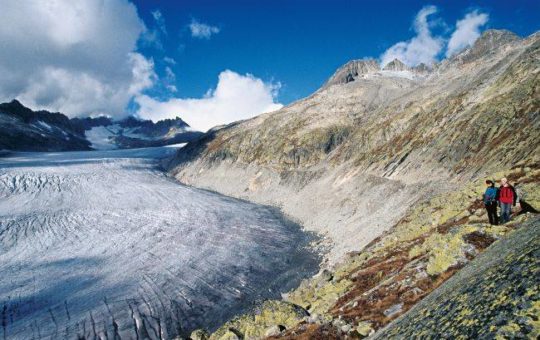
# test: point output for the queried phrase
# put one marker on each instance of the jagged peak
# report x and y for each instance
(15, 102)
(421, 68)
(492, 39)
(498, 35)
(489, 42)
(353, 69)
(396, 65)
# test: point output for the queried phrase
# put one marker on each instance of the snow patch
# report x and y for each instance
(101, 137)
(399, 74)
(45, 125)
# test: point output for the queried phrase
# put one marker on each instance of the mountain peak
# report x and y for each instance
(15, 102)
(489, 42)
(351, 70)
(492, 39)
(396, 65)
(421, 68)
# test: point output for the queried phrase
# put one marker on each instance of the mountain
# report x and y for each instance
(25, 130)
(131, 132)
(387, 164)
(22, 129)
(351, 70)
(396, 65)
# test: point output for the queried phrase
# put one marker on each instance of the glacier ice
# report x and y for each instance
(103, 244)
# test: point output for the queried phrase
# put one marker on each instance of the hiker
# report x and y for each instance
(507, 198)
(490, 202)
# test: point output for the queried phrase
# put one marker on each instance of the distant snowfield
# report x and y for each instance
(103, 244)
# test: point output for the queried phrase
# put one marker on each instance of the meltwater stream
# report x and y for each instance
(103, 244)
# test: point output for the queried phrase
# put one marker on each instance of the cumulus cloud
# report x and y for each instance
(202, 31)
(235, 97)
(467, 31)
(77, 57)
(423, 48)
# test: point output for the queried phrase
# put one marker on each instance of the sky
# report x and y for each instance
(214, 62)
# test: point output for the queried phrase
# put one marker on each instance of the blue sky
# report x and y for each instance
(214, 62)
(300, 43)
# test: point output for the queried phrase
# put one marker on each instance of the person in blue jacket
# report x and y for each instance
(490, 202)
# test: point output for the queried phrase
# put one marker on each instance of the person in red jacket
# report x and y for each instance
(507, 198)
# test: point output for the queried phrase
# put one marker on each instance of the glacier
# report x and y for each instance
(104, 244)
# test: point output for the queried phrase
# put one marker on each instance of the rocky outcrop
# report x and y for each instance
(271, 318)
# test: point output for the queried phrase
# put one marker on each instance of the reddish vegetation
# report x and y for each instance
(479, 240)
(382, 283)
(445, 227)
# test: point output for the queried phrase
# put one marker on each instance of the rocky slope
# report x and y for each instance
(496, 296)
(349, 160)
(390, 162)
(22, 129)
(372, 287)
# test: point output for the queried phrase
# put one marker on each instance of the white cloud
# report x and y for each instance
(467, 31)
(160, 21)
(153, 37)
(169, 60)
(423, 48)
(235, 97)
(202, 31)
(170, 79)
(77, 57)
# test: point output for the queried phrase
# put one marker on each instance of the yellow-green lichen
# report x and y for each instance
(255, 324)
(318, 297)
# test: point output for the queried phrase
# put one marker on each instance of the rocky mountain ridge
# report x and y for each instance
(379, 136)
(22, 129)
(360, 157)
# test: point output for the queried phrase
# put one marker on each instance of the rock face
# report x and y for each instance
(350, 160)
